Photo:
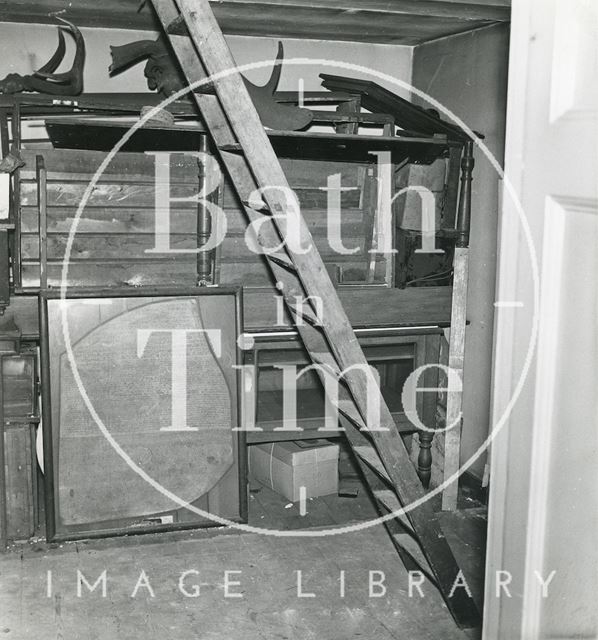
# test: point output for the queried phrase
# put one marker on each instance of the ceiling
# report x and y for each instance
(406, 22)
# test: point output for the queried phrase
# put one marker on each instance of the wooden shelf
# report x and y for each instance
(103, 135)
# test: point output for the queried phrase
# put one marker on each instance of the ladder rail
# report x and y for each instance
(233, 122)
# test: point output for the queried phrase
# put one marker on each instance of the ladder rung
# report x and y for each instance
(304, 312)
(257, 207)
(369, 455)
(282, 259)
(326, 361)
(178, 27)
(407, 543)
(348, 408)
(233, 147)
(388, 499)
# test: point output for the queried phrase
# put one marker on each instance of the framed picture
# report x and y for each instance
(140, 405)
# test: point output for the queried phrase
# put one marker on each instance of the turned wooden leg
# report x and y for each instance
(431, 349)
(424, 459)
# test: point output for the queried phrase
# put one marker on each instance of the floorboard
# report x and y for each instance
(269, 606)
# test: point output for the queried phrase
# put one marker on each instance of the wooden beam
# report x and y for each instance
(498, 10)
(408, 22)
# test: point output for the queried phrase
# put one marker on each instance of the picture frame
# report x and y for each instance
(113, 466)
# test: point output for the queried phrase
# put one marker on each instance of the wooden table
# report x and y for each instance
(392, 325)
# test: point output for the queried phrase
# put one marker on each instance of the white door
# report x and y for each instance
(543, 522)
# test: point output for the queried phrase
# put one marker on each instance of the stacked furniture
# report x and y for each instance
(397, 332)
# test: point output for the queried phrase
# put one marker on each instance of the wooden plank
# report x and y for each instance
(4, 135)
(24, 313)
(136, 246)
(366, 307)
(423, 306)
(145, 272)
(281, 18)
(330, 23)
(142, 220)
(369, 455)
(388, 499)
(306, 145)
(114, 274)
(451, 197)
(78, 164)
(370, 202)
(307, 173)
(351, 147)
(116, 195)
(4, 268)
(120, 247)
(73, 165)
(110, 219)
(42, 206)
(454, 397)
(470, 9)
(144, 195)
(309, 197)
(19, 483)
(236, 248)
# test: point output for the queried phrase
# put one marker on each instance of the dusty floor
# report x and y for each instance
(269, 605)
(173, 585)
(148, 594)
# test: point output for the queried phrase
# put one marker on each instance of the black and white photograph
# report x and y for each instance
(299, 320)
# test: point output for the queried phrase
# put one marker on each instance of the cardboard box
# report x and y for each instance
(285, 467)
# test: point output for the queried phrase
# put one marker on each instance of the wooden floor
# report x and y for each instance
(270, 606)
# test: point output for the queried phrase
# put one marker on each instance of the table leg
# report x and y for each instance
(431, 347)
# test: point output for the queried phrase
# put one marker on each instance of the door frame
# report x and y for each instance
(521, 451)
(511, 241)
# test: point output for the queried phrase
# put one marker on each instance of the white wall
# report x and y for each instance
(26, 47)
(468, 74)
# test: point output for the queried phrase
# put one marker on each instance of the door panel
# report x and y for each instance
(544, 481)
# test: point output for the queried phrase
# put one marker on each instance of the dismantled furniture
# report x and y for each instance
(330, 316)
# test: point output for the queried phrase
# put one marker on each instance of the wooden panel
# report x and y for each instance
(74, 165)
(301, 173)
(19, 483)
(116, 273)
(308, 197)
(365, 307)
(23, 312)
(573, 91)
(116, 195)
(116, 229)
(544, 483)
(409, 204)
(109, 218)
(139, 220)
(144, 195)
(108, 247)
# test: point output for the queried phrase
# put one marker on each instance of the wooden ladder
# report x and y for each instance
(302, 280)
